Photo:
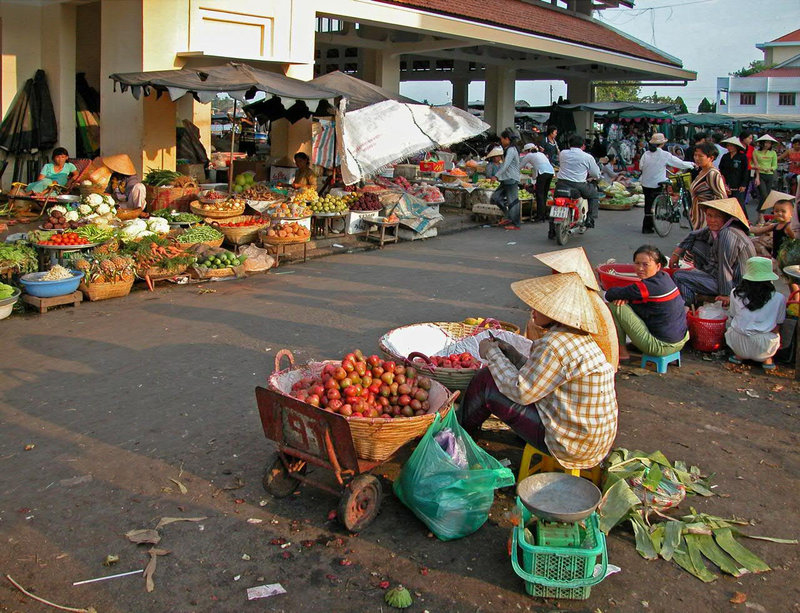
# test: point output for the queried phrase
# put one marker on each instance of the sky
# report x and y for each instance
(711, 37)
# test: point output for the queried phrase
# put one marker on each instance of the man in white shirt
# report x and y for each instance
(543, 175)
(575, 167)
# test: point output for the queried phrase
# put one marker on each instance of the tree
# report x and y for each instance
(754, 67)
(706, 107)
(621, 93)
(682, 110)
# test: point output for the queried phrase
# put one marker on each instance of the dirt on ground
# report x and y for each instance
(111, 410)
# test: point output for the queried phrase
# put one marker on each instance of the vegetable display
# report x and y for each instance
(252, 221)
(158, 177)
(59, 220)
(18, 257)
(63, 240)
(95, 234)
(97, 208)
(135, 229)
(221, 260)
(105, 268)
(57, 273)
(176, 217)
(333, 204)
(457, 360)
(288, 230)
(362, 386)
(199, 234)
(231, 204)
(6, 291)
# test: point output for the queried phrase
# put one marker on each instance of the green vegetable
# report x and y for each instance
(398, 597)
(158, 177)
(95, 234)
(19, 257)
(200, 234)
(6, 291)
(173, 217)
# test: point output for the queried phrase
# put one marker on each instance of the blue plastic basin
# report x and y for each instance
(47, 289)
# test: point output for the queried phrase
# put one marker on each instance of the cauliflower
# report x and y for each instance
(84, 209)
(71, 216)
(58, 208)
(95, 199)
(108, 200)
(133, 228)
(103, 209)
(158, 225)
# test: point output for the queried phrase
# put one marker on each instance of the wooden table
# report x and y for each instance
(42, 304)
(380, 228)
(274, 248)
(323, 223)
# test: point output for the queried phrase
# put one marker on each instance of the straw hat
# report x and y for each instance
(733, 140)
(495, 152)
(766, 138)
(571, 260)
(729, 206)
(120, 163)
(529, 146)
(658, 139)
(759, 269)
(562, 298)
(774, 197)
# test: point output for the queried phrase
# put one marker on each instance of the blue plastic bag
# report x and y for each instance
(453, 502)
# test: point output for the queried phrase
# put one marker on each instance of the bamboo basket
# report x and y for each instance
(212, 272)
(87, 190)
(216, 214)
(608, 206)
(452, 378)
(176, 198)
(156, 273)
(277, 240)
(104, 291)
(126, 214)
(241, 235)
(187, 246)
(374, 439)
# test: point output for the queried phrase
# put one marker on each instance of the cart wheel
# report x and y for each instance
(360, 502)
(277, 480)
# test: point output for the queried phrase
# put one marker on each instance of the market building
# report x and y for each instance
(385, 42)
(773, 91)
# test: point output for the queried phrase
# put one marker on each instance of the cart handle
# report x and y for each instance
(283, 353)
(416, 354)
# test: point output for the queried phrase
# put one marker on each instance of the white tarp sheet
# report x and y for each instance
(381, 134)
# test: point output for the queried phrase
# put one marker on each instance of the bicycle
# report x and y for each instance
(670, 207)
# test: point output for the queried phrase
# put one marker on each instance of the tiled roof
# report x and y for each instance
(791, 37)
(778, 72)
(523, 16)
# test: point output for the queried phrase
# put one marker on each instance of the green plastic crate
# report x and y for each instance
(559, 572)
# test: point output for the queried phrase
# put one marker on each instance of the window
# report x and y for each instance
(325, 24)
(787, 99)
(747, 98)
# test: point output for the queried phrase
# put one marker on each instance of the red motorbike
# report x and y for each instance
(568, 213)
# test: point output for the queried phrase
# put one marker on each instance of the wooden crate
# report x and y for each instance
(42, 304)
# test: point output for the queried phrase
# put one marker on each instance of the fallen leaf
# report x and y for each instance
(738, 598)
(150, 569)
(110, 559)
(169, 520)
(238, 483)
(29, 446)
(180, 485)
(139, 537)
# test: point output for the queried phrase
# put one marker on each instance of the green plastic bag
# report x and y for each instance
(453, 502)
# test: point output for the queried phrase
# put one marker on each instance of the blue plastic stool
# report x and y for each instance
(662, 362)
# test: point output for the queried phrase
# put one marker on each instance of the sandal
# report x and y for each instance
(768, 366)
(734, 360)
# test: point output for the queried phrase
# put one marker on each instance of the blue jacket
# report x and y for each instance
(658, 303)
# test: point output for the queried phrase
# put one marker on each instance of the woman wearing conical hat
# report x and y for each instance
(561, 397)
(117, 175)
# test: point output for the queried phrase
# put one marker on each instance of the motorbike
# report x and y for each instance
(568, 213)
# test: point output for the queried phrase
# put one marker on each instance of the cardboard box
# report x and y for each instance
(282, 174)
(355, 221)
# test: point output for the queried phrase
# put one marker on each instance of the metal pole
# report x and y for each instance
(233, 135)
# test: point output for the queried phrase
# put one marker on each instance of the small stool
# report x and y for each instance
(662, 362)
(548, 464)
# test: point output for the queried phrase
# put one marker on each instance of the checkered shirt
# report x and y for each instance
(572, 385)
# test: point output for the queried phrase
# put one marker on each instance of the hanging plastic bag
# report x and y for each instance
(712, 311)
(453, 502)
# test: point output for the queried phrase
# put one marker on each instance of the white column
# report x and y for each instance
(498, 110)
(460, 93)
(58, 62)
(382, 69)
(581, 90)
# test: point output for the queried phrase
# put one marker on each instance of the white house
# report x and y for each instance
(774, 91)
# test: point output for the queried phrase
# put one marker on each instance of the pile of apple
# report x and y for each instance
(457, 360)
(361, 386)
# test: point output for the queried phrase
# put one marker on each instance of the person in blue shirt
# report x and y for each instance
(60, 171)
(650, 311)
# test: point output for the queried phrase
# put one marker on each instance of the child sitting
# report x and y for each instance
(755, 312)
(781, 228)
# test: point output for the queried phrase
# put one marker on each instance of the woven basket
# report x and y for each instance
(277, 240)
(87, 190)
(175, 198)
(216, 214)
(608, 206)
(126, 214)
(156, 273)
(452, 378)
(103, 291)
(241, 235)
(216, 243)
(374, 439)
(212, 272)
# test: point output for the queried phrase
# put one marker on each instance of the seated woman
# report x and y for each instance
(59, 171)
(494, 159)
(729, 248)
(116, 174)
(305, 176)
(607, 171)
(755, 312)
(561, 397)
(649, 311)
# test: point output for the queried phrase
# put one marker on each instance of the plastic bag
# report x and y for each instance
(712, 311)
(258, 259)
(453, 502)
(452, 446)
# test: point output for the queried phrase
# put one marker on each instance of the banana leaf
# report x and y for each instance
(682, 559)
(714, 553)
(743, 556)
(654, 476)
(657, 536)
(672, 539)
(644, 545)
(618, 502)
(693, 549)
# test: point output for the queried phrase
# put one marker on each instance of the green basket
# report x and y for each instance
(683, 177)
(559, 572)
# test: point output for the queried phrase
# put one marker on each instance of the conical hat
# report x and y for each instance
(562, 298)
(730, 206)
(97, 172)
(120, 163)
(570, 260)
(733, 140)
(606, 336)
(766, 138)
(775, 196)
